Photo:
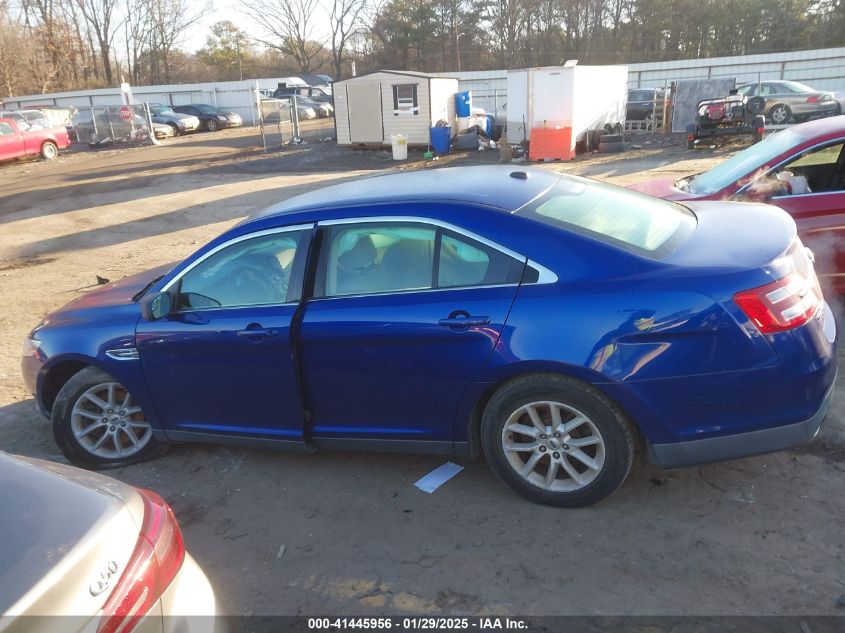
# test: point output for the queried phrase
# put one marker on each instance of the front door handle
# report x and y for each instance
(464, 321)
(255, 331)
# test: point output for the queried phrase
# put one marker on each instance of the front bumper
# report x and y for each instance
(717, 449)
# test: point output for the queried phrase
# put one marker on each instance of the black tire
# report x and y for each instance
(611, 423)
(611, 148)
(612, 138)
(49, 150)
(68, 443)
(618, 129)
(595, 138)
(780, 114)
(176, 130)
(212, 125)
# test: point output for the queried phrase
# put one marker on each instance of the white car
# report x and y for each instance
(79, 544)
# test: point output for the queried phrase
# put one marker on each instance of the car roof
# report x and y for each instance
(500, 186)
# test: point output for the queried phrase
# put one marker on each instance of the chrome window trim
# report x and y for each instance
(788, 160)
(545, 275)
(410, 291)
(233, 241)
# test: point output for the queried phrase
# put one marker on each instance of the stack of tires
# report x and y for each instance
(609, 139)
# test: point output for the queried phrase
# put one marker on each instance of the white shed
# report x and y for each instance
(580, 97)
(369, 108)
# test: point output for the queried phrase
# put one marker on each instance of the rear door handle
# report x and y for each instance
(464, 321)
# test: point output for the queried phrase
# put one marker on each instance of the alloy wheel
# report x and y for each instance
(553, 446)
(108, 423)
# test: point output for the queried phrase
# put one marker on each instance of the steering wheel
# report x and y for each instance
(253, 284)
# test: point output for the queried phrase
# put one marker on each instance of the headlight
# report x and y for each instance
(31, 346)
(221, 118)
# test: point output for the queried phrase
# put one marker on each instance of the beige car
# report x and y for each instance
(107, 557)
(788, 100)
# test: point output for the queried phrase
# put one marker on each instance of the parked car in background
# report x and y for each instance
(95, 552)
(20, 119)
(640, 106)
(801, 170)
(180, 123)
(552, 320)
(788, 100)
(320, 94)
(17, 143)
(212, 118)
(322, 110)
(36, 119)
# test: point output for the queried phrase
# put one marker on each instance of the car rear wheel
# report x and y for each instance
(49, 151)
(557, 441)
(212, 125)
(780, 114)
(97, 423)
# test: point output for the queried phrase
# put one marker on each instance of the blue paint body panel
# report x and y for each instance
(661, 337)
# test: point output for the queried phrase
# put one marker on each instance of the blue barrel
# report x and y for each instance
(441, 139)
(463, 103)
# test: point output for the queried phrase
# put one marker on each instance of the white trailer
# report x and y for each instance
(581, 97)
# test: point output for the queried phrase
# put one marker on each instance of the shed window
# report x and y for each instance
(405, 99)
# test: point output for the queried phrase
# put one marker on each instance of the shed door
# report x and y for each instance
(365, 116)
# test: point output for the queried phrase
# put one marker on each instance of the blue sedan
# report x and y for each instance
(553, 324)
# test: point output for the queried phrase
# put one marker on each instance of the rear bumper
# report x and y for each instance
(713, 449)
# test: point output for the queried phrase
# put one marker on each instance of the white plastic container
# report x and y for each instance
(399, 143)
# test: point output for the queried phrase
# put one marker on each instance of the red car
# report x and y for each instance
(800, 169)
(16, 143)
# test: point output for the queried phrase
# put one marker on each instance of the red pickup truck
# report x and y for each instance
(15, 143)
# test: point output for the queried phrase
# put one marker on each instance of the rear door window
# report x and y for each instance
(387, 257)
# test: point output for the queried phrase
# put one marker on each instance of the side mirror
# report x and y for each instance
(157, 306)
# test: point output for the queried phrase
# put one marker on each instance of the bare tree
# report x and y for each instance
(346, 19)
(288, 28)
(169, 19)
(100, 16)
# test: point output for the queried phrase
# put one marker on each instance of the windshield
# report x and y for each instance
(635, 222)
(743, 164)
(207, 109)
(162, 110)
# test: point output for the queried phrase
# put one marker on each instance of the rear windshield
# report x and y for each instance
(629, 220)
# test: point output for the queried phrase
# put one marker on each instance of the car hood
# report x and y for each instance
(116, 293)
(230, 115)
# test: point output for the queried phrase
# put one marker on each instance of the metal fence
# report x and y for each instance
(116, 125)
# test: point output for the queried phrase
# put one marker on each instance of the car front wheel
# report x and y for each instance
(97, 423)
(557, 441)
(212, 125)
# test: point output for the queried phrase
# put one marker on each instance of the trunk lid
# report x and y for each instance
(65, 545)
(737, 236)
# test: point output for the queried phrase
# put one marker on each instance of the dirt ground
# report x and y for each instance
(760, 536)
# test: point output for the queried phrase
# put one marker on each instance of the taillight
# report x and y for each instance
(813, 99)
(783, 305)
(157, 558)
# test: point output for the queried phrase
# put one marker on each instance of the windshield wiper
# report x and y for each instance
(143, 290)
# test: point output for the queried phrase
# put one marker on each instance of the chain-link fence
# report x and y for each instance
(116, 125)
(278, 122)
